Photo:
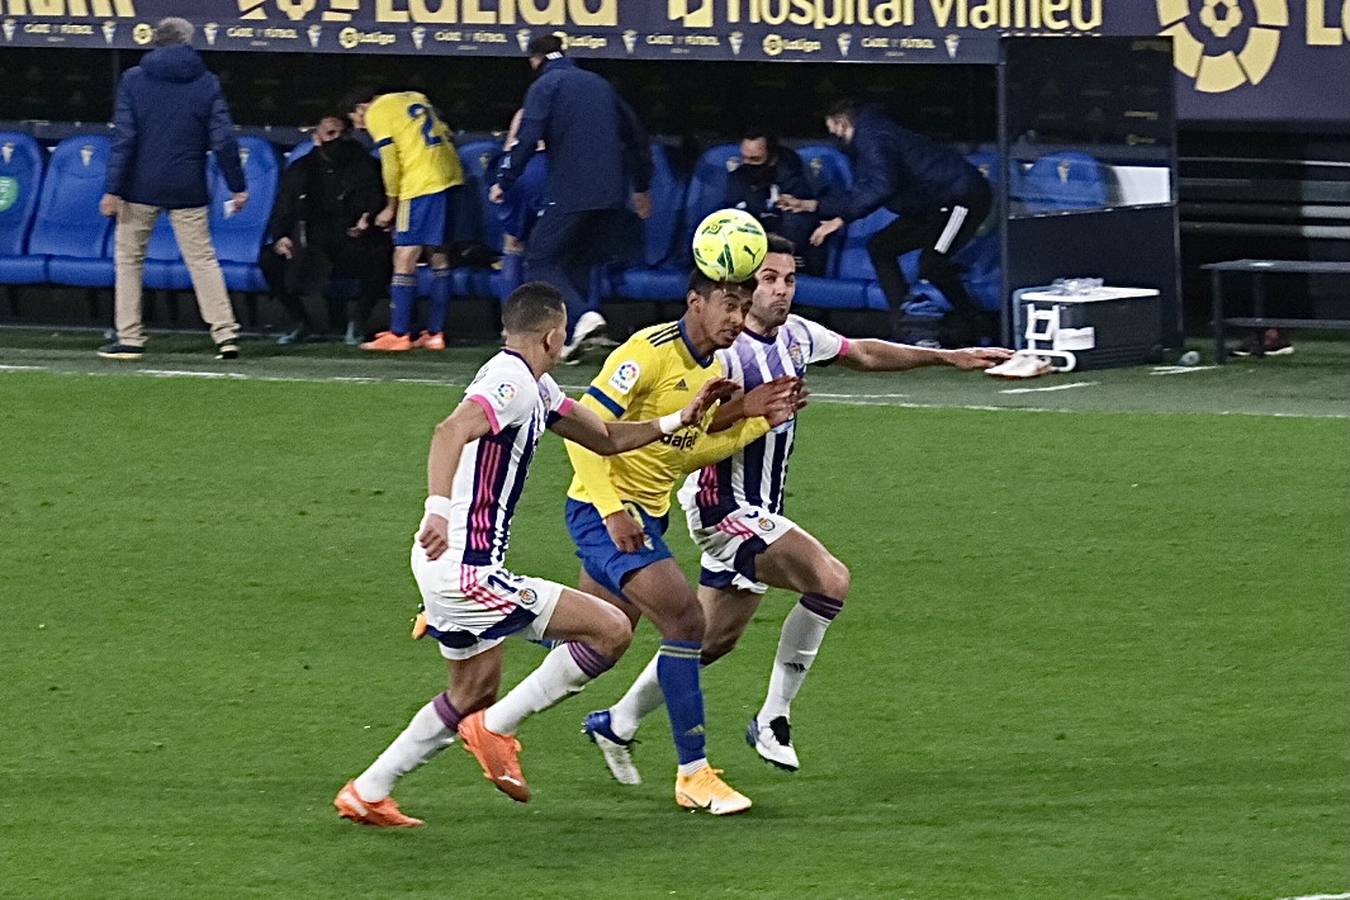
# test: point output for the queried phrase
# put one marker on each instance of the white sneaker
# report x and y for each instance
(617, 753)
(773, 742)
(590, 329)
(1023, 364)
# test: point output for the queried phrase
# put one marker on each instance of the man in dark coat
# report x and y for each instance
(766, 172)
(170, 113)
(940, 197)
(598, 160)
(322, 227)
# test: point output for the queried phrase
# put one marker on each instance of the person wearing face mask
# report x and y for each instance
(766, 172)
(322, 228)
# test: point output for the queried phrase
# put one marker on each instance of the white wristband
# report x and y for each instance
(669, 424)
(438, 505)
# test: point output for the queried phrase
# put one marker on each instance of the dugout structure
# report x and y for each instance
(1077, 134)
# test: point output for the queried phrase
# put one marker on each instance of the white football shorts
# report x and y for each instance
(730, 547)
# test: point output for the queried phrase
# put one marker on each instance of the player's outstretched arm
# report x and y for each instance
(766, 407)
(585, 427)
(885, 356)
(462, 427)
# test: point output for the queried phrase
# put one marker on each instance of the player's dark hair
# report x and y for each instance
(704, 286)
(780, 244)
(544, 45)
(534, 306)
(342, 117)
(845, 108)
(362, 94)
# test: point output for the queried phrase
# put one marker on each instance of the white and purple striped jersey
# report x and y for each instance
(492, 469)
(757, 474)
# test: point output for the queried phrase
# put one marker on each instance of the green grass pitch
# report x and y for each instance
(1087, 654)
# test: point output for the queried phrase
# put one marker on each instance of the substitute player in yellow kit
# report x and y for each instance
(421, 170)
(617, 508)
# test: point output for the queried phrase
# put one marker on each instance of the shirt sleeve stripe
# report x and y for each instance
(384, 143)
(605, 401)
(487, 408)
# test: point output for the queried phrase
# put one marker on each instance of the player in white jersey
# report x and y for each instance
(479, 459)
(735, 516)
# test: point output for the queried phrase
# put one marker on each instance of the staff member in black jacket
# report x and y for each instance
(597, 153)
(940, 197)
(768, 171)
(322, 227)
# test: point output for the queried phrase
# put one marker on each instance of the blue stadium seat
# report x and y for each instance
(665, 273)
(239, 238)
(1063, 181)
(707, 188)
(69, 230)
(21, 162)
(477, 157)
(828, 166)
(299, 150)
(853, 285)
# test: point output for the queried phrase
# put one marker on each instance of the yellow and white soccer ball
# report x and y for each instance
(729, 245)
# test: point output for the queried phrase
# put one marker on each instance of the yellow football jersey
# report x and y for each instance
(653, 373)
(416, 153)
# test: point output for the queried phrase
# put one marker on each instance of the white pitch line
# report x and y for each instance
(1179, 370)
(890, 400)
(1056, 387)
(1319, 897)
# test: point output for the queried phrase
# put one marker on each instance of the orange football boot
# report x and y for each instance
(496, 753)
(384, 814)
(388, 342)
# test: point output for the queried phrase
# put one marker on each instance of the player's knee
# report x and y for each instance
(715, 647)
(833, 579)
(614, 635)
(686, 624)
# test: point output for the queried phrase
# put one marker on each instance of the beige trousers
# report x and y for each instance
(134, 224)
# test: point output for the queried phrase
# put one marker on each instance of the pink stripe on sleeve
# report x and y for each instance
(487, 408)
(565, 407)
(843, 346)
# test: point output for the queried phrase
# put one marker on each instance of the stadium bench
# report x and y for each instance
(69, 231)
(21, 173)
(1258, 269)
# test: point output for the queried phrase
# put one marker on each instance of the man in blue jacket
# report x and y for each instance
(170, 112)
(940, 197)
(597, 153)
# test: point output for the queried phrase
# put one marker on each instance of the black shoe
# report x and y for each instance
(227, 350)
(120, 351)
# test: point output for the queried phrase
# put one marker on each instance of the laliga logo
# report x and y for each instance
(314, 32)
(211, 29)
(736, 39)
(1217, 70)
(419, 34)
(142, 33)
(349, 38)
(773, 44)
(523, 39)
(844, 40)
(630, 41)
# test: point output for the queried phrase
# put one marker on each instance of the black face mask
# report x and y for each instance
(760, 175)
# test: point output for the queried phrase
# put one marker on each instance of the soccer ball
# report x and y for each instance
(729, 245)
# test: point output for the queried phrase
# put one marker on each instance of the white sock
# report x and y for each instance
(690, 768)
(643, 696)
(425, 736)
(557, 676)
(803, 631)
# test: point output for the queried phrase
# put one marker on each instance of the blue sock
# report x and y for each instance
(677, 669)
(513, 272)
(402, 303)
(440, 300)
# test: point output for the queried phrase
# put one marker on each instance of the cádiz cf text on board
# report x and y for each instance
(1235, 59)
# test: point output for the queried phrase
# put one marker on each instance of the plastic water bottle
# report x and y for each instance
(1189, 358)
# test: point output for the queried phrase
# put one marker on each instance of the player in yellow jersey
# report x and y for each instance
(617, 508)
(421, 170)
